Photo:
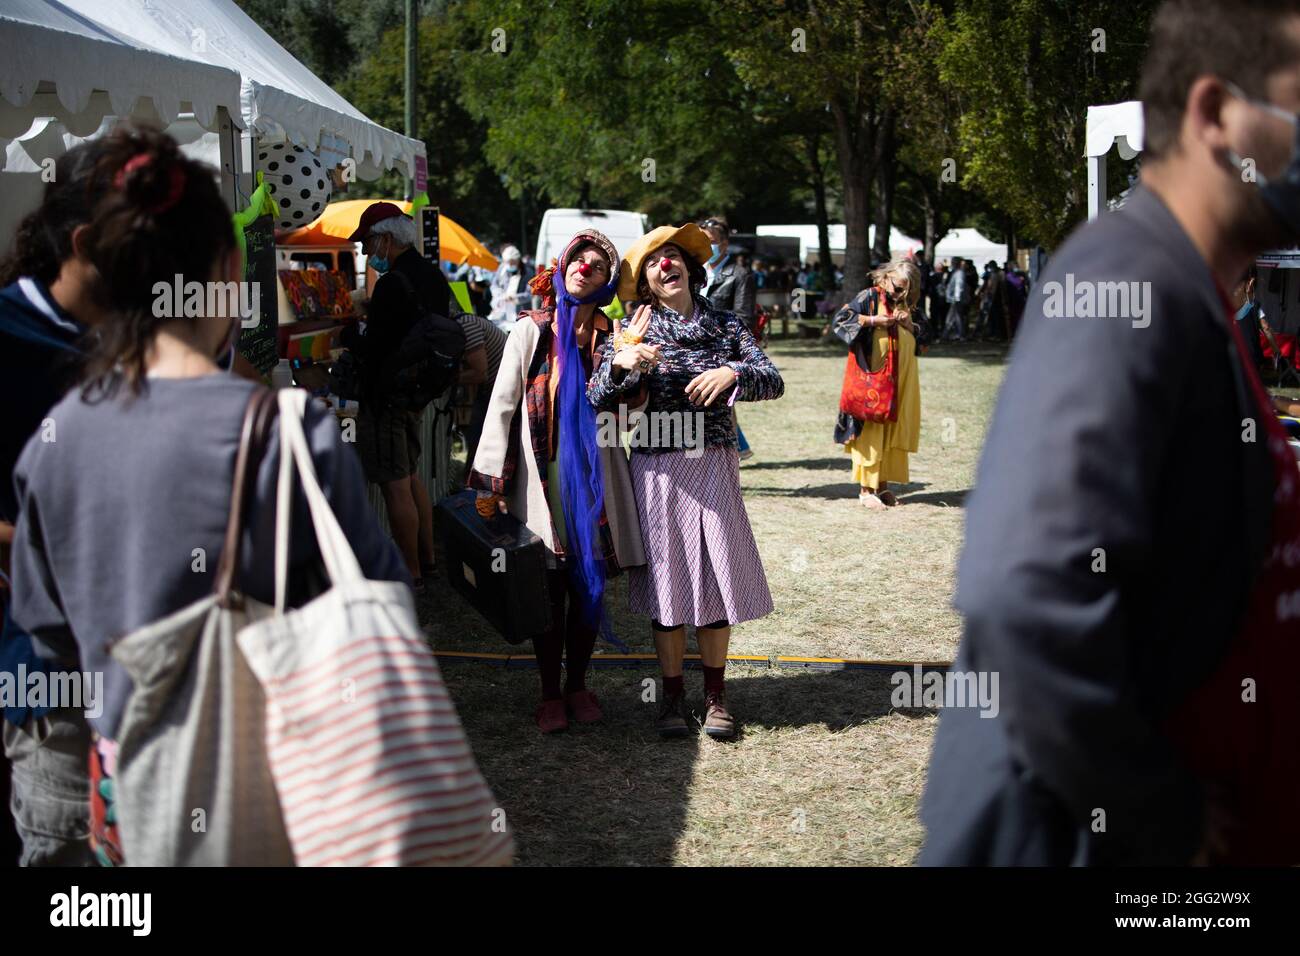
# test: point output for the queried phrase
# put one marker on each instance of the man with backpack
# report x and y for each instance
(400, 373)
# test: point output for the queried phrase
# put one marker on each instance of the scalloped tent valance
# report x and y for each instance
(279, 98)
(58, 62)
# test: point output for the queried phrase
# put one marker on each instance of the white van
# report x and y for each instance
(558, 226)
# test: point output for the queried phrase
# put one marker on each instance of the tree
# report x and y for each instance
(1023, 73)
(461, 181)
(839, 54)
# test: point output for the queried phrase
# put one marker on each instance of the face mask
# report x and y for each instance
(377, 262)
(1283, 193)
(717, 254)
(512, 269)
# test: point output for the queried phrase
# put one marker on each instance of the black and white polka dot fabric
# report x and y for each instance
(298, 182)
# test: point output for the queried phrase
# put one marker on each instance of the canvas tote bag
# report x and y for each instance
(193, 783)
(368, 756)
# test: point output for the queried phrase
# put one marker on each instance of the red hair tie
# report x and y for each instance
(175, 181)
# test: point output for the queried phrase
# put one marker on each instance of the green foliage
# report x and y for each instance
(1023, 73)
(620, 104)
(587, 92)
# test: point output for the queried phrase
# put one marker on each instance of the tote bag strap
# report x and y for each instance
(295, 456)
(258, 415)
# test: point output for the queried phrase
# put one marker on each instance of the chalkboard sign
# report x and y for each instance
(429, 224)
(258, 345)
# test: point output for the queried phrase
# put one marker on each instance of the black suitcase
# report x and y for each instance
(498, 565)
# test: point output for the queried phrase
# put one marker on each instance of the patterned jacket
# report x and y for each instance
(710, 339)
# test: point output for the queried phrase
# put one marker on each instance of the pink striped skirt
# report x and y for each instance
(702, 565)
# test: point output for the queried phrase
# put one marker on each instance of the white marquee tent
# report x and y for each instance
(972, 245)
(966, 243)
(809, 243)
(1121, 125)
(201, 68)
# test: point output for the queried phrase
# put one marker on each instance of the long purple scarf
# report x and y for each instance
(582, 486)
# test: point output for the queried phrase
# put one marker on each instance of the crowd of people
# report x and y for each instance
(1143, 659)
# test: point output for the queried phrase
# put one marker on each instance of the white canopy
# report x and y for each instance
(60, 63)
(279, 97)
(1118, 123)
(806, 233)
(970, 244)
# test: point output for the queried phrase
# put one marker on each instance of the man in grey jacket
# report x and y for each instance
(1106, 566)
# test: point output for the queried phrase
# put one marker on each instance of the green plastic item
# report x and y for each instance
(461, 291)
(258, 203)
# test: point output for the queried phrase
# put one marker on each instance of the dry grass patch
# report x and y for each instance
(826, 772)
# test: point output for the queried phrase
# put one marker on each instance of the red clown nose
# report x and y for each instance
(584, 269)
(665, 264)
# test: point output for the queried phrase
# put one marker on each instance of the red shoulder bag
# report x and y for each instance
(866, 395)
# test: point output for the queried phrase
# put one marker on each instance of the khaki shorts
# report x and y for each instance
(388, 442)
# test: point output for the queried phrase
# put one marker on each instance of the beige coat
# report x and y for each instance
(524, 492)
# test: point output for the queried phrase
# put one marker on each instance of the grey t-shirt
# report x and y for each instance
(124, 513)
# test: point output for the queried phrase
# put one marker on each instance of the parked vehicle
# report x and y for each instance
(559, 225)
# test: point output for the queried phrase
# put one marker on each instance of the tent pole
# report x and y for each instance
(230, 150)
(1096, 185)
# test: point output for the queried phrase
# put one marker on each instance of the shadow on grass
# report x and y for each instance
(945, 499)
(614, 794)
(806, 464)
(847, 490)
(980, 353)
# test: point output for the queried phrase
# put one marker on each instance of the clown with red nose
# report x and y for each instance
(542, 460)
(686, 363)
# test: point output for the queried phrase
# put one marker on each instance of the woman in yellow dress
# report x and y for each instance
(880, 450)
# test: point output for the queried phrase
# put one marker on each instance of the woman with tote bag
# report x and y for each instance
(126, 501)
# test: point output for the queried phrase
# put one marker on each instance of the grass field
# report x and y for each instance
(825, 772)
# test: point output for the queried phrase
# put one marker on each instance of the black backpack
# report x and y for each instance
(427, 362)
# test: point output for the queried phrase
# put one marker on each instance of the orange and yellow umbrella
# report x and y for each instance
(340, 219)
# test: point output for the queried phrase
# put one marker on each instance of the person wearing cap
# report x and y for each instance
(702, 565)
(539, 458)
(509, 290)
(388, 438)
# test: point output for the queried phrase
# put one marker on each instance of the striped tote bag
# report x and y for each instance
(369, 759)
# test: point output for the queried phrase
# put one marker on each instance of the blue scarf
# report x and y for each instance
(582, 486)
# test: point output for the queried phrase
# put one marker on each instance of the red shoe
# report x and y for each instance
(551, 718)
(584, 707)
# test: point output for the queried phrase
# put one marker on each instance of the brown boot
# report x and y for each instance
(718, 722)
(671, 721)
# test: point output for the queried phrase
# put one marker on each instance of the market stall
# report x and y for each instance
(228, 92)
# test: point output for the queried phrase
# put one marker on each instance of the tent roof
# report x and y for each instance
(806, 233)
(1118, 121)
(279, 97)
(59, 61)
(970, 244)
